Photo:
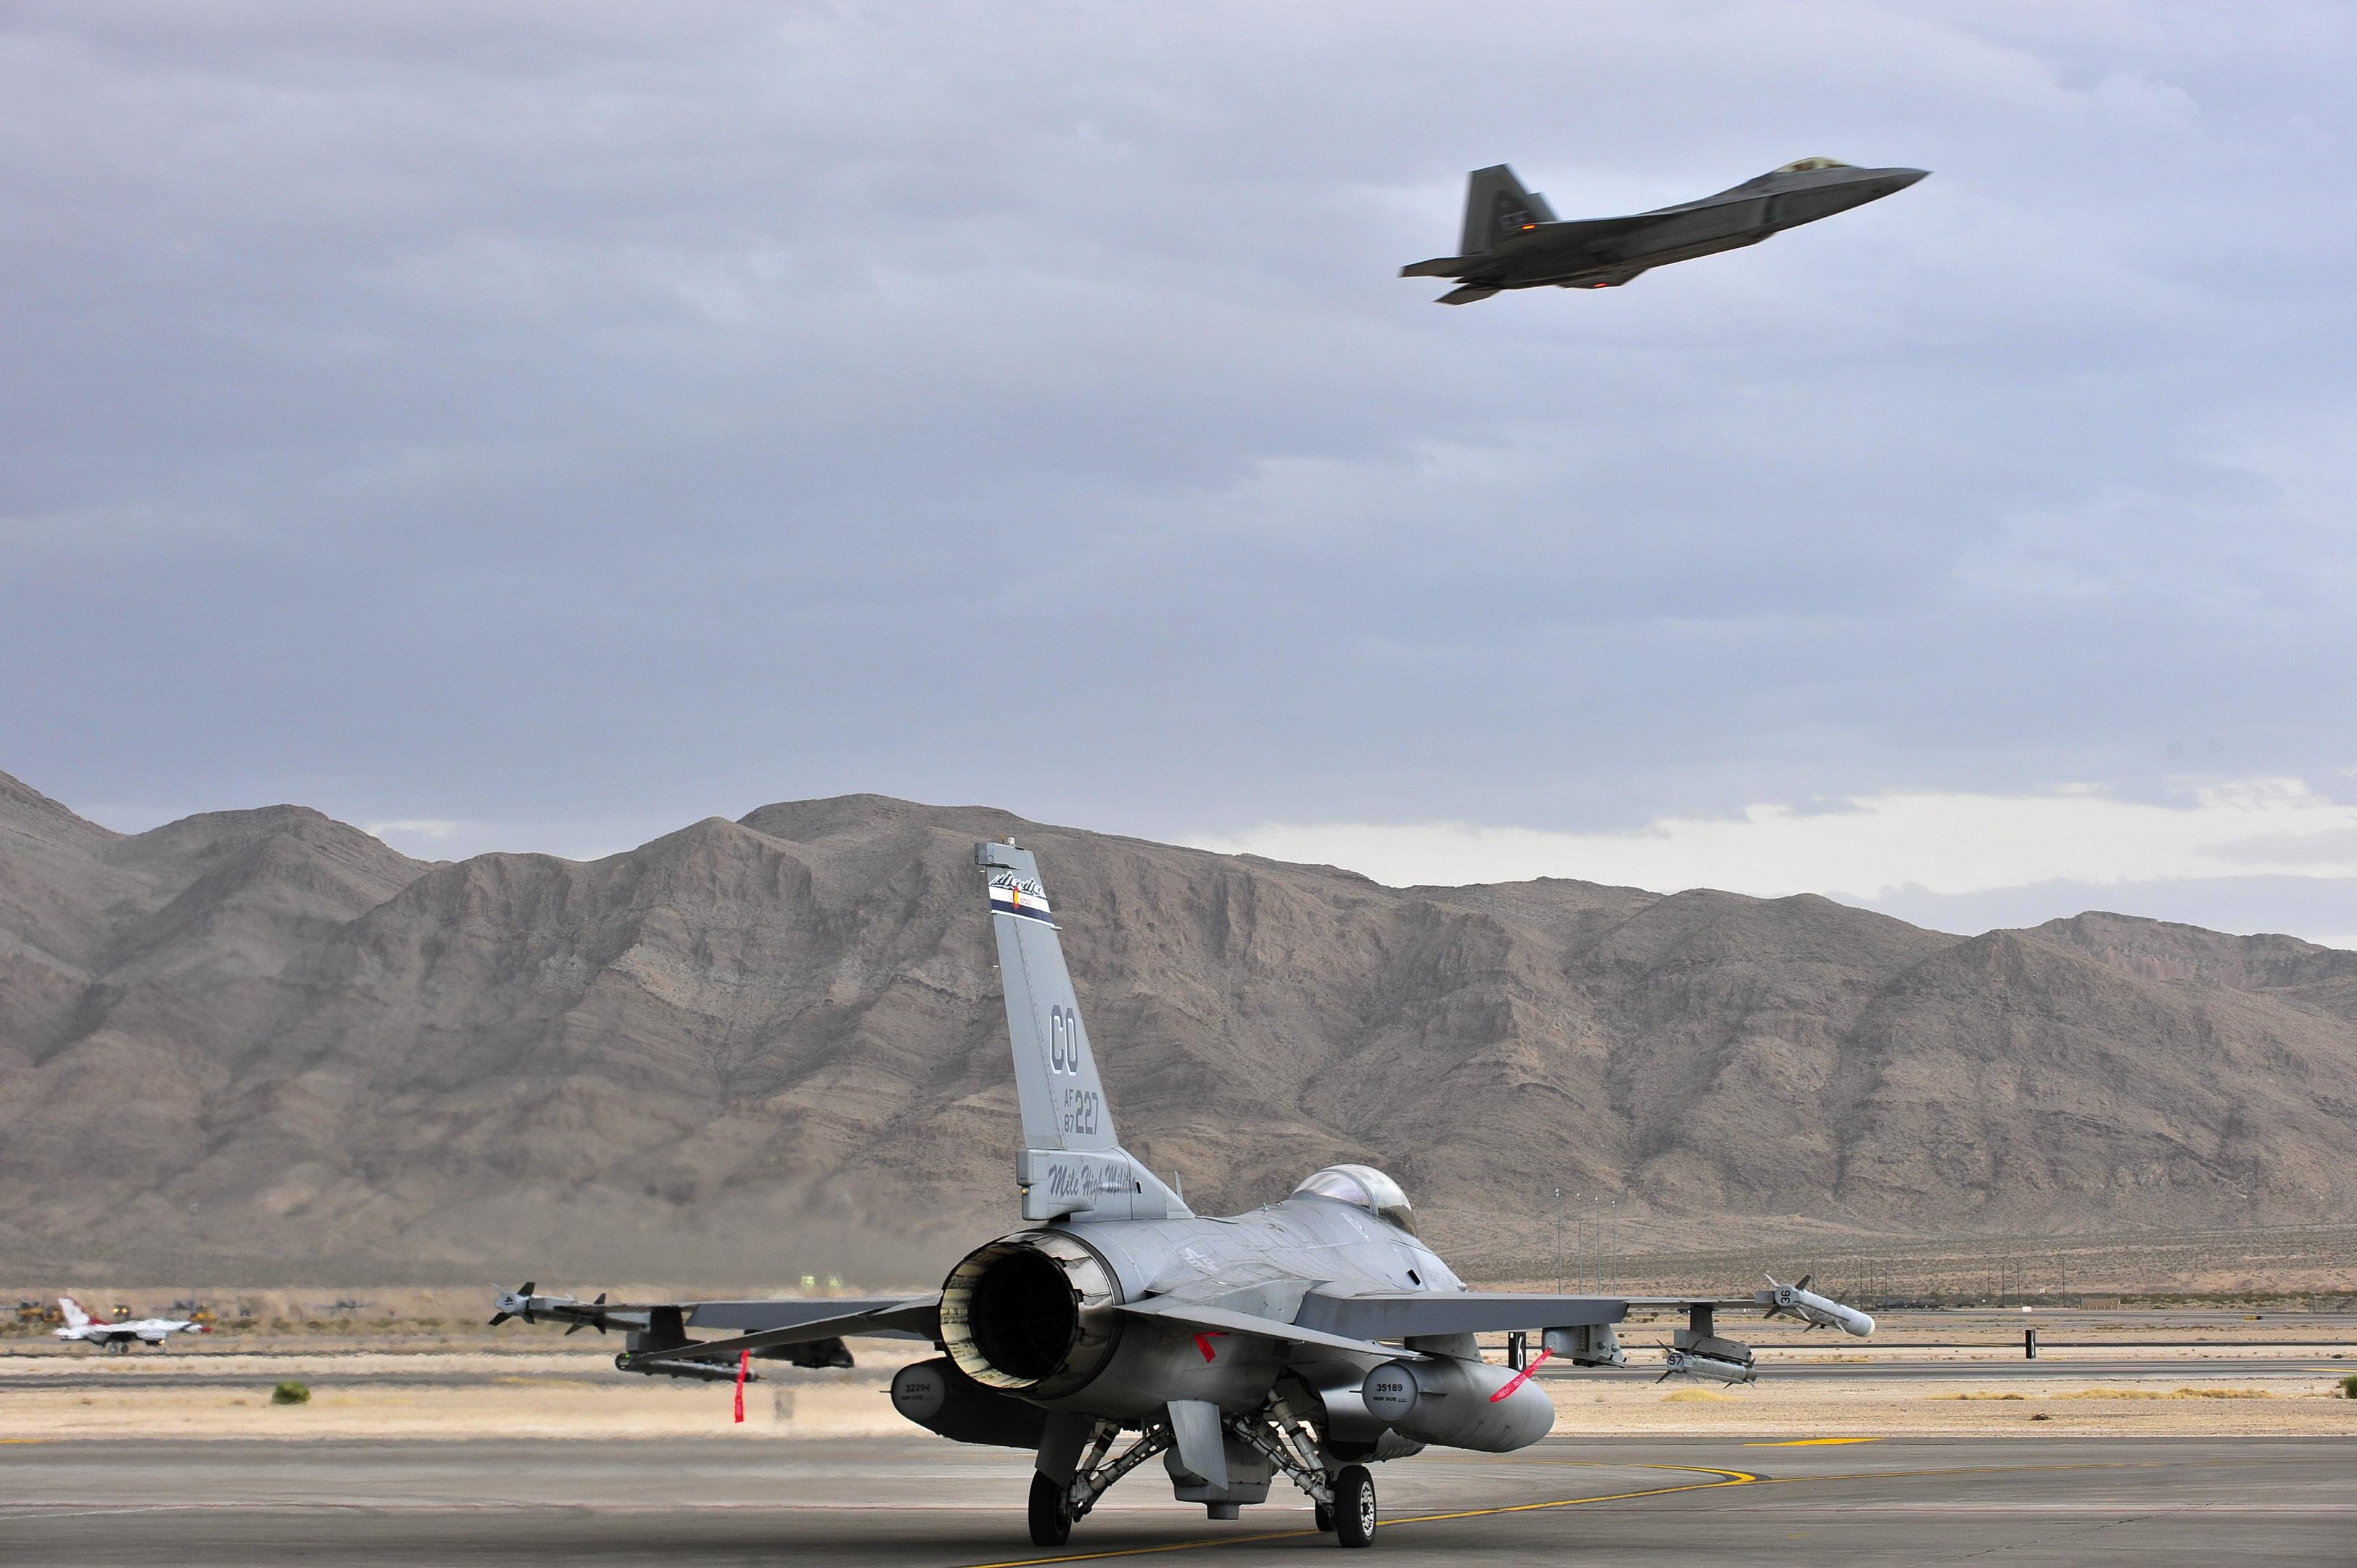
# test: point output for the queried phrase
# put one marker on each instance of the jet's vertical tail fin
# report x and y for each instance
(1056, 1082)
(1496, 208)
(1055, 1071)
(75, 1316)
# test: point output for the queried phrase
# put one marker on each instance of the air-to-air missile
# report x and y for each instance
(1514, 240)
(1817, 1311)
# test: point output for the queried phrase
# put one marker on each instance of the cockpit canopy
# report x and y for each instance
(1810, 165)
(1366, 1187)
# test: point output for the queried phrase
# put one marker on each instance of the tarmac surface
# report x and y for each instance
(2031, 1501)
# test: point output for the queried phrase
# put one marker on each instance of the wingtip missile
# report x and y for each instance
(514, 1304)
(1817, 1311)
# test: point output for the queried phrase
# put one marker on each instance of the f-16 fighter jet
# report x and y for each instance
(1307, 1339)
(80, 1325)
(1514, 240)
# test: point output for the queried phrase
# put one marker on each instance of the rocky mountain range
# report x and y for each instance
(262, 1044)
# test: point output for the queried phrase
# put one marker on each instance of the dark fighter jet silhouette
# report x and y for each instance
(1514, 240)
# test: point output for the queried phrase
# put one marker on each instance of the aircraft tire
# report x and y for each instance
(1051, 1524)
(1354, 1507)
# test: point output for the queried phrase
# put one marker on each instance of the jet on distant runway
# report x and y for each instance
(1514, 240)
(80, 1325)
(1305, 1340)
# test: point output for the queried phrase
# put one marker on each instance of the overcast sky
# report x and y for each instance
(540, 425)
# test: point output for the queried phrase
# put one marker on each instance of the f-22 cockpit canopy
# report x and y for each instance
(1365, 1186)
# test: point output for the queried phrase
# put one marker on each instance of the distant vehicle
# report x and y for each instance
(123, 1332)
(34, 1311)
(1514, 240)
(1309, 1338)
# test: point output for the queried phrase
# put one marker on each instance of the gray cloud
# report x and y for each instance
(540, 415)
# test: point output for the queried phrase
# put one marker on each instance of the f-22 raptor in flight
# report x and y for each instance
(1309, 1338)
(1514, 240)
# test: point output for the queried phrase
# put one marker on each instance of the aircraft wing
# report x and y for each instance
(796, 1320)
(1355, 1323)
(893, 1316)
(1219, 1320)
(1588, 230)
(800, 1322)
(1577, 233)
(1397, 1314)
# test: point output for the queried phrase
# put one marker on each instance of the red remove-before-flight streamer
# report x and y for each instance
(743, 1365)
(1519, 1378)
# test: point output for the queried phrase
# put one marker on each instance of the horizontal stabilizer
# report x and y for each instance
(1465, 295)
(1440, 267)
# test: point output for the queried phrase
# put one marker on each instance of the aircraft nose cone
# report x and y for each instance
(1900, 178)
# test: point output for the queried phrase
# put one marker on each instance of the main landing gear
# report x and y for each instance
(1354, 1507)
(1345, 1498)
(1052, 1519)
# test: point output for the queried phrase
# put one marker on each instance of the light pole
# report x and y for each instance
(1580, 1228)
(1558, 1241)
(1595, 1243)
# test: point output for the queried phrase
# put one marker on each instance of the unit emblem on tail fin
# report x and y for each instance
(1014, 894)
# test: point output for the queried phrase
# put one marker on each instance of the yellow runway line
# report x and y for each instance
(1814, 1442)
(1727, 1479)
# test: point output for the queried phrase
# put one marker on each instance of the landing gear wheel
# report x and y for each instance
(1325, 1520)
(1354, 1507)
(1052, 1525)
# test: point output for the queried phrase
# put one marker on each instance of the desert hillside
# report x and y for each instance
(265, 1039)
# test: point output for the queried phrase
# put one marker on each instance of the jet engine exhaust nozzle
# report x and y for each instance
(1031, 1314)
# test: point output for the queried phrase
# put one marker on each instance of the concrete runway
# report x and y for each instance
(918, 1500)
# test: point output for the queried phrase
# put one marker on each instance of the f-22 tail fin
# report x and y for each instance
(1496, 208)
(1071, 1162)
